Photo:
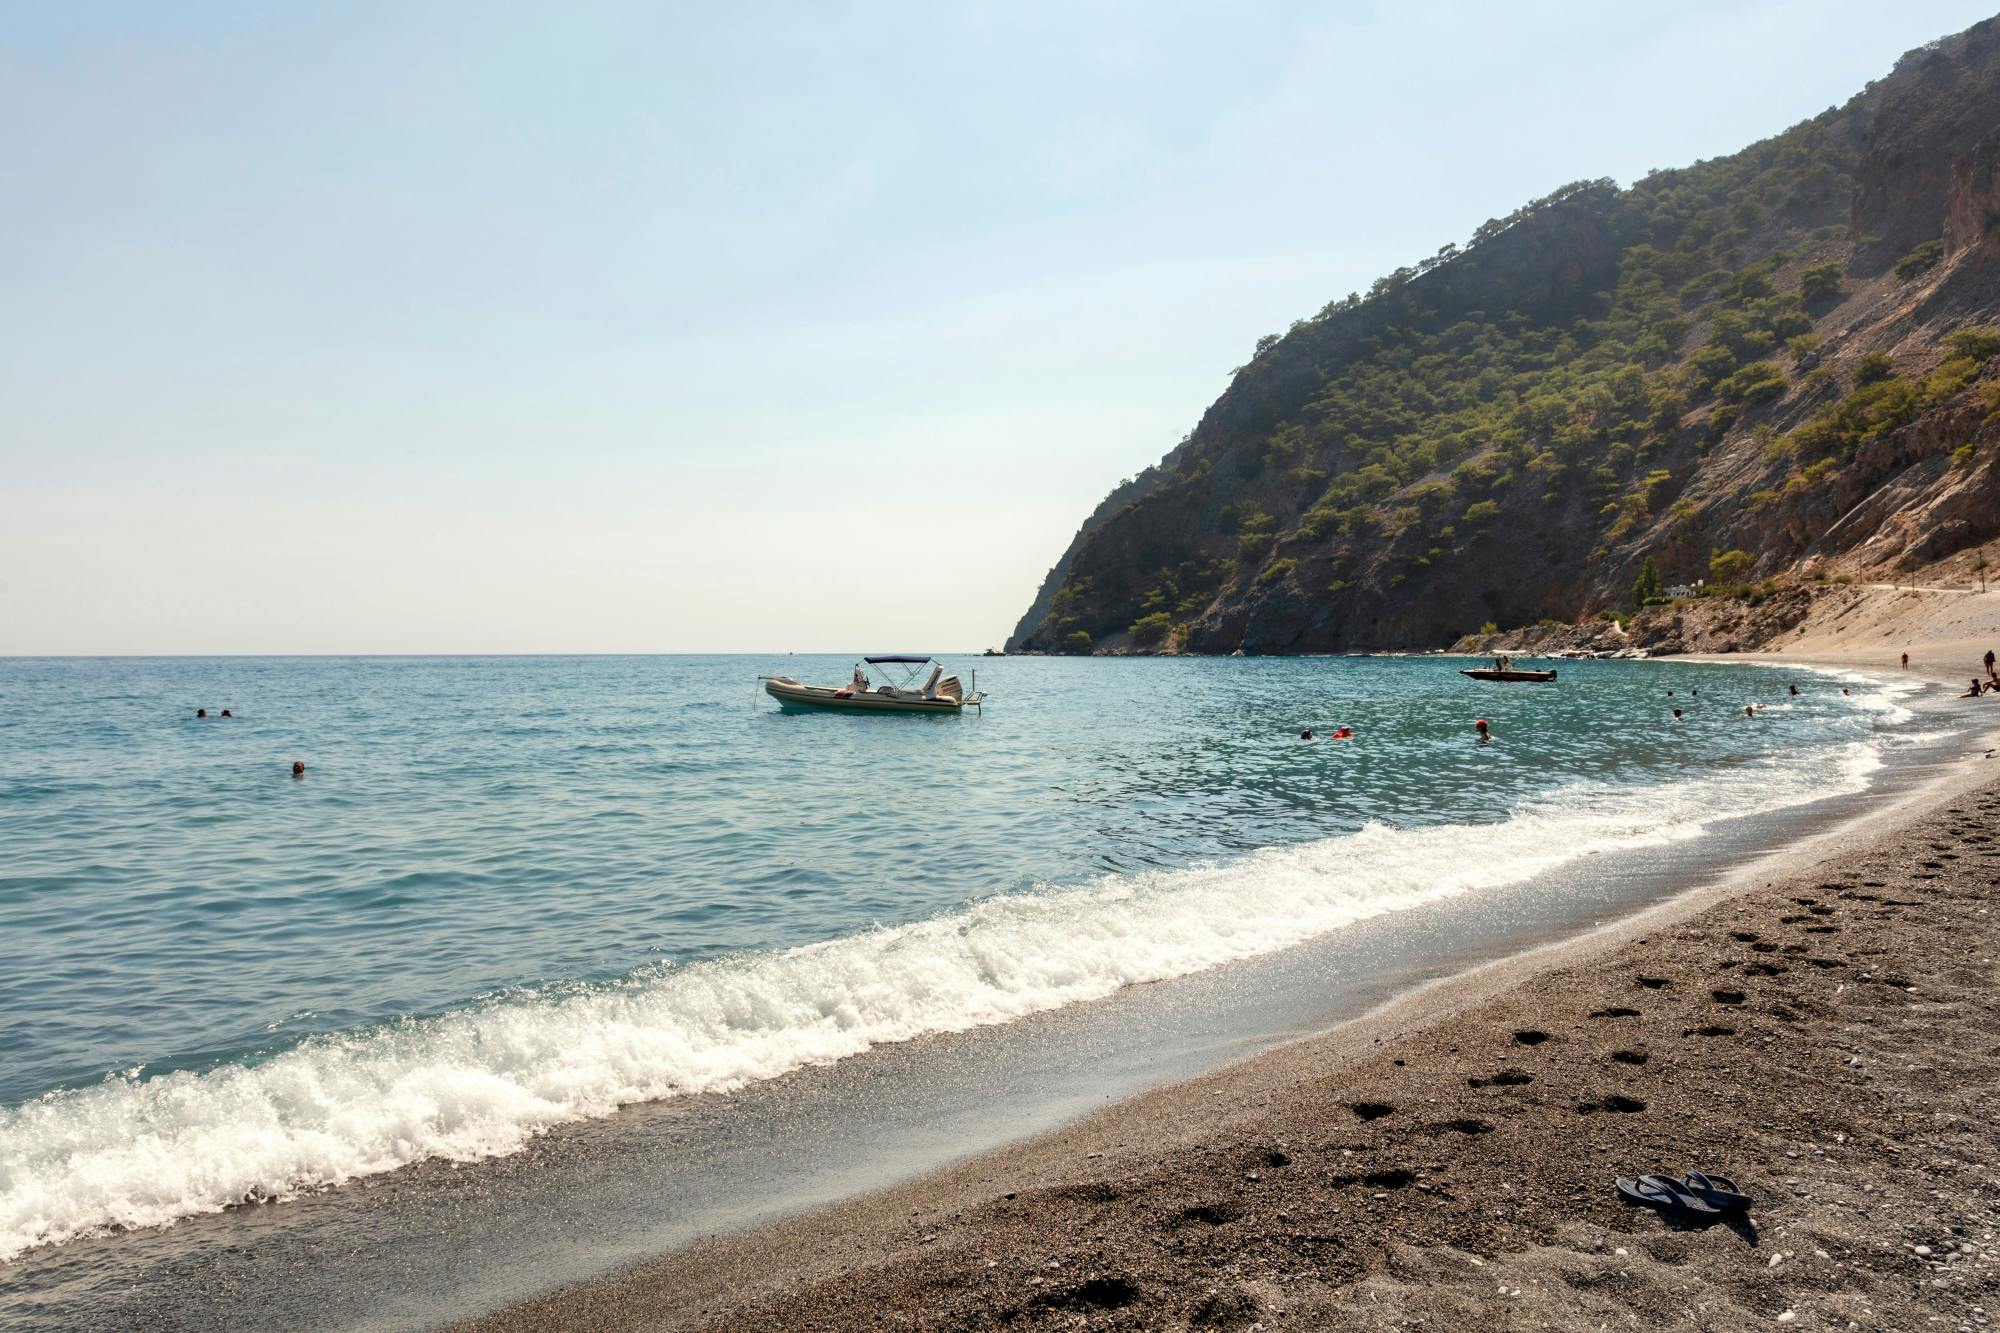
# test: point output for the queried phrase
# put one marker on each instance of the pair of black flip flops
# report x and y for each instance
(1695, 1195)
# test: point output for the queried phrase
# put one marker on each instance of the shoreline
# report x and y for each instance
(894, 1248)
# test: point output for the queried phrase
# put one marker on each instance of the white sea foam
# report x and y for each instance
(482, 1081)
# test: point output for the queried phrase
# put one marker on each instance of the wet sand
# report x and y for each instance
(1827, 1033)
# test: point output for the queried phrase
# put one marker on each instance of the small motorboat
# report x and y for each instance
(1495, 673)
(938, 694)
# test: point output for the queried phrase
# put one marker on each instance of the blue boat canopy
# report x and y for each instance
(907, 659)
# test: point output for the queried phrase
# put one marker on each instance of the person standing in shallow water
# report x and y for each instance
(1480, 729)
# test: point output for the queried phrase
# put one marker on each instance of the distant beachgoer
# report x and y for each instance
(860, 682)
(1748, 711)
(1906, 659)
(1677, 715)
(298, 768)
(1794, 689)
(201, 712)
(1481, 728)
(1696, 691)
(1974, 692)
(1305, 735)
(1843, 689)
(227, 713)
(1670, 694)
(1989, 661)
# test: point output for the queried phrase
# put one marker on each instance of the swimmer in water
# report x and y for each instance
(227, 713)
(1748, 711)
(201, 712)
(1305, 735)
(1481, 728)
(1843, 689)
(1794, 689)
(298, 768)
(1677, 715)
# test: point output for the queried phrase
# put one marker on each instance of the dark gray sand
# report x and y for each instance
(1830, 1038)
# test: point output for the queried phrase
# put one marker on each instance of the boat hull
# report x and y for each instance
(791, 694)
(1519, 677)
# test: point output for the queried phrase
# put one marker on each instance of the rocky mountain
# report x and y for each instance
(1760, 368)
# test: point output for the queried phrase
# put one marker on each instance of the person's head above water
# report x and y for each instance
(1793, 688)
(1305, 735)
(1481, 729)
(1749, 711)
(227, 713)
(298, 768)
(201, 712)
(1677, 715)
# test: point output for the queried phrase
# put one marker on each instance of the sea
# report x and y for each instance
(518, 907)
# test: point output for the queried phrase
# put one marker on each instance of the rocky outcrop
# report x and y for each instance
(1922, 120)
(1972, 217)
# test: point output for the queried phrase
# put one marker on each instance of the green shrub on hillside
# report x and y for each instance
(1277, 569)
(1729, 566)
(1754, 383)
(1819, 283)
(1920, 260)
(1873, 367)
(1977, 342)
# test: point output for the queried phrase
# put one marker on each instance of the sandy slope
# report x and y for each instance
(1945, 631)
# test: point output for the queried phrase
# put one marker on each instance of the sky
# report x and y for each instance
(641, 327)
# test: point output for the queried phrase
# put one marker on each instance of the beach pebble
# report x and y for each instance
(1788, 1316)
(1922, 1251)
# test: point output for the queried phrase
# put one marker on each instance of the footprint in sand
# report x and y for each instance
(1623, 1105)
(1506, 1078)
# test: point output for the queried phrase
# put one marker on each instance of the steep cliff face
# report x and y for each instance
(1780, 352)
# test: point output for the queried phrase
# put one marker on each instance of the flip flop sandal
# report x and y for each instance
(1719, 1191)
(1663, 1195)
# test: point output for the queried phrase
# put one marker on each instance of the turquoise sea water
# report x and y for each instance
(513, 892)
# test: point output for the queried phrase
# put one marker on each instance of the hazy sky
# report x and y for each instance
(637, 327)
